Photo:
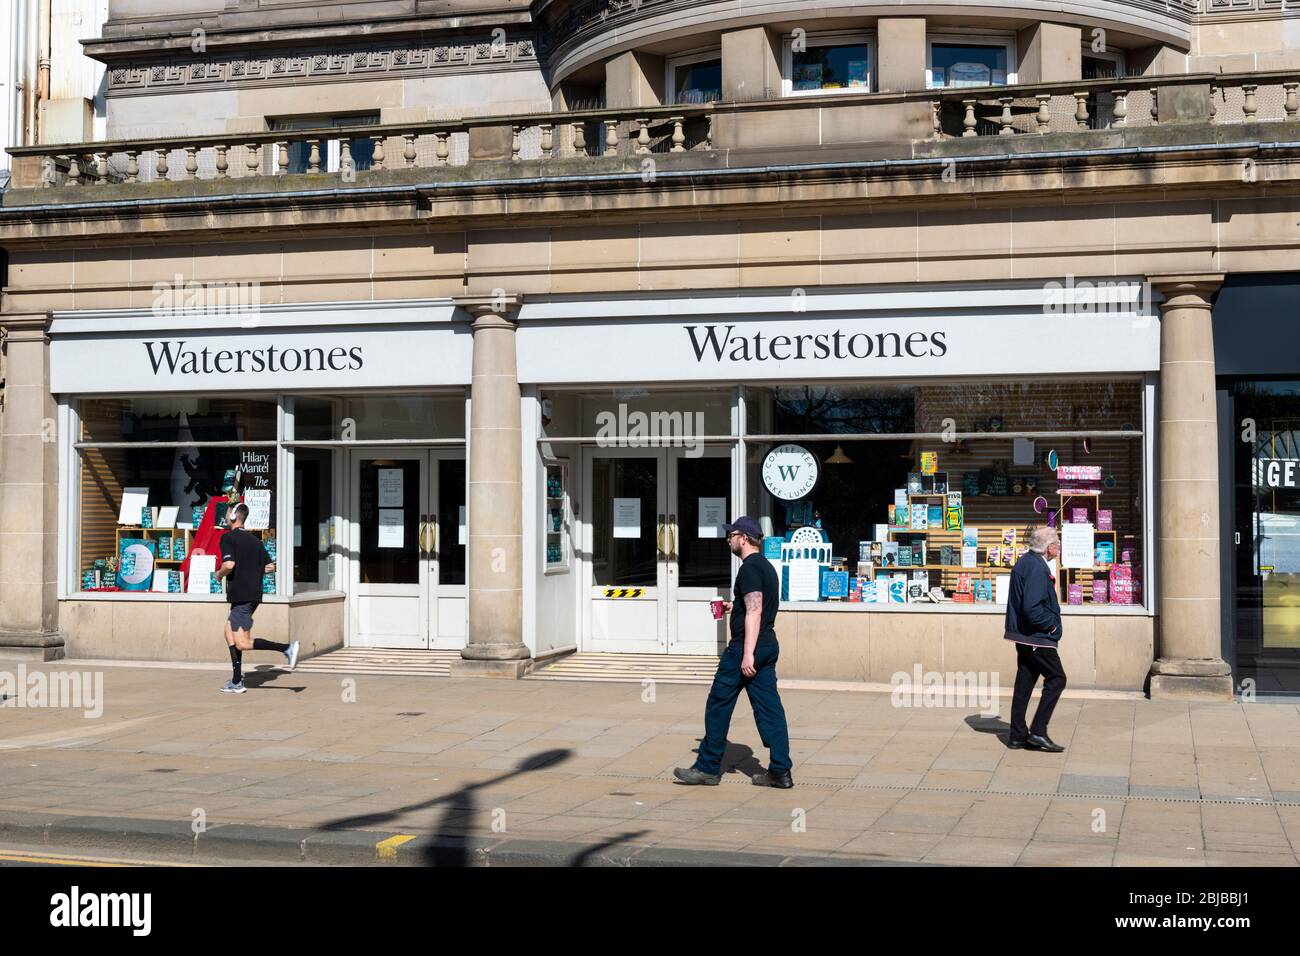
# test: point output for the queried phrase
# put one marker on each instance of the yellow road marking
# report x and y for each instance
(59, 861)
(387, 849)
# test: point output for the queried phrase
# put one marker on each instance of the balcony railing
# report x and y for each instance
(1030, 110)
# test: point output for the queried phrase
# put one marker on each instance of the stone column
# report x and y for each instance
(495, 647)
(29, 483)
(903, 54)
(1188, 650)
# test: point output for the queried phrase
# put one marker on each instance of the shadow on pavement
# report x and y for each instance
(989, 725)
(264, 675)
(448, 846)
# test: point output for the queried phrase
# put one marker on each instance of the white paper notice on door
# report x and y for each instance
(627, 517)
(713, 515)
(259, 508)
(392, 523)
(390, 488)
(1076, 546)
(461, 537)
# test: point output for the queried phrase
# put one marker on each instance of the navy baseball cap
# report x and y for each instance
(746, 526)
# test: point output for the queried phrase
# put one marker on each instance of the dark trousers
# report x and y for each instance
(1032, 663)
(769, 715)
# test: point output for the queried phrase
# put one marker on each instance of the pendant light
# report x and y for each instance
(839, 458)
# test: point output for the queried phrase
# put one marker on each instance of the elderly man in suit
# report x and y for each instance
(1034, 624)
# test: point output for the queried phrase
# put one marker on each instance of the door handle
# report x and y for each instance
(659, 538)
(672, 537)
(433, 535)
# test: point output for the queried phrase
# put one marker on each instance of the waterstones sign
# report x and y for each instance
(213, 361)
(816, 346)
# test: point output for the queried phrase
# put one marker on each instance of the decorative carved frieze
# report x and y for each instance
(198, 71)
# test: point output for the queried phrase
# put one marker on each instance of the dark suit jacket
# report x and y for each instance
(1033, 612)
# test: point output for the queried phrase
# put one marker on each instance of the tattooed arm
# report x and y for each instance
(753, 622)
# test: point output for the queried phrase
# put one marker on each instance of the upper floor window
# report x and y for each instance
(695, 78)
(971, 61)
(1103, 66)
(830, 62)
(331, 153)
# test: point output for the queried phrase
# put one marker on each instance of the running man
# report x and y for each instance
(244, 561)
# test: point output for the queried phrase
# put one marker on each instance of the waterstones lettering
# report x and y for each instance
(709, 340)
(176, 358)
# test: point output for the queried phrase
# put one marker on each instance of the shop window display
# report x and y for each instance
(152, 516)
(920, 519)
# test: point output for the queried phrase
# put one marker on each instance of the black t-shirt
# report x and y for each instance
(250, 559)
(756, 574)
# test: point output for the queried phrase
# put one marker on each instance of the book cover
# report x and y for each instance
(934, 516)
(994, 556)
(945, 554)
(869, 592)
(970, 537)
(954, 514)
(876, 547)
(969, 557)
(904, 555)
(1104, 519)
(1100, 591)
(913, 483)
(1074, 594)
(1009, 536)
(889, 554)
(881, 532)
(898, 589)
(929, 462)
(902, 516)
(940, 482)
(920, 517)
(864, 552)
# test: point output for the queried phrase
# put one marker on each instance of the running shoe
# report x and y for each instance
(232, 688)
(292, 655)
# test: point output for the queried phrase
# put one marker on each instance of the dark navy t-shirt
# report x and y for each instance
(756, 574)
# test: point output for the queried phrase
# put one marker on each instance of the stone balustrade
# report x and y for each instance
(591, 135)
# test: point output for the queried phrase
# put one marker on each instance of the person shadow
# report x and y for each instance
(264, 676)
(449, 844)
(737, 758)
(983, 724)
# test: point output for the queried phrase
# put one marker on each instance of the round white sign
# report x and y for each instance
(790, 472)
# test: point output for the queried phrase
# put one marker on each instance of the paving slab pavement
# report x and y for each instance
(324, 768)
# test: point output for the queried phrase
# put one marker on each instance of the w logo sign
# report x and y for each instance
(790, 472)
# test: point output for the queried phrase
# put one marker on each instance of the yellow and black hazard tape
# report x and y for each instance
(624, 592)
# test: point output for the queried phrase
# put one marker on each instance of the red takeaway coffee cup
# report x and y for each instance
(716, 607)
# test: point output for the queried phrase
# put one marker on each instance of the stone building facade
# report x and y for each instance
(498, 309)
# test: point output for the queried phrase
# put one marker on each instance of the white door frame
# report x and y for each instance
(648, 642)
(691, 604)
(666, 595)
(442, 620)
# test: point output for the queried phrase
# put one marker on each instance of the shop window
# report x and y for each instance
(156, 476)
(960, 62)
(828, 63)
(1266, 546)
(378, 417)
(905, 511)
(695, 79)
(637, 417)
(315, 526)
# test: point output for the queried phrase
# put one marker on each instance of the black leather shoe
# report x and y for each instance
(694, 778)
(780, 779)
(1044, 743)
(1015, 745)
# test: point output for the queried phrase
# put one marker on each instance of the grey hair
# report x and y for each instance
(1040, 537)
